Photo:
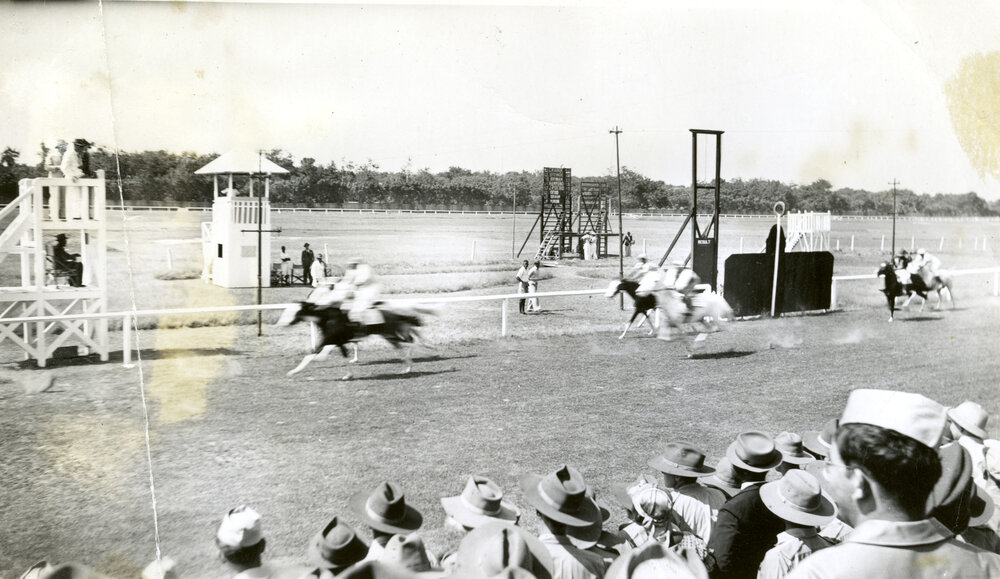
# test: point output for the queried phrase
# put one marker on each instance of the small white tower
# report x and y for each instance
(230, 240)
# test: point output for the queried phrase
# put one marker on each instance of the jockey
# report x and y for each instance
(641, 268)
(362, 292)
(683, 279)
(925, 259)
(901, 264)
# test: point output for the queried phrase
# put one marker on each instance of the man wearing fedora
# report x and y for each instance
(746, 529)
(560, 500)
(480, 503)
(500, 549)
(386, 513)
(793, 452)
(67, 261)
(681, 465)
(967, 425)
(335, 548)
(724, 480)
(797, 499)
(882, 468)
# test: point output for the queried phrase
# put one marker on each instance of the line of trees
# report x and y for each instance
(169, 177)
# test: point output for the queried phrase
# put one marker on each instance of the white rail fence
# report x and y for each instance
(129, 317)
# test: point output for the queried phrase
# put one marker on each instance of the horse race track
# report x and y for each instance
(226, 426)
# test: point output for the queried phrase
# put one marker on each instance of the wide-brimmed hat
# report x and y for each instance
(60, 236)
(385, 509)
(240, 528)
(408, 552)
(489, 549)
(481, 502)
(561, 496)
(791, 448)
(725, 478)
(336, 547)
(654, 559)
(819, 442)
(798, 497)
(681, 459)
(971, 417)
(587, 537)
(623, 491)
(754, 451)
(981, 507)
(949, 501)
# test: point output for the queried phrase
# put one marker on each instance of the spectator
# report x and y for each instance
(657, 561)
(335, 548)
(627, 243)
(241, 543)
(54, 160)
(818, 443)
(680, 464)
(799, 501)
(881, 471)
(481, 502)
(595, 539)
(532, 277)
(725, 479)
(793, 452)
(385, 511)
(967, 423)
(522, 284)
(286, 266)
(979, 533)
(67, 261)
(992, 485)
(746, 529)
(560, 499)
(317, 271)
(495, 547)
(307, 260)
(408, 552)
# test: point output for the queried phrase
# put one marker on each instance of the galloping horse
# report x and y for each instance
(399, 328)
(708, 310)
(923, 282)
(644, 304)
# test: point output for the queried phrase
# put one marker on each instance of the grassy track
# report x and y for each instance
(227, 427)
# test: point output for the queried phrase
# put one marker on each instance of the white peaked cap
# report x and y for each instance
(912, 415)
(240, 528)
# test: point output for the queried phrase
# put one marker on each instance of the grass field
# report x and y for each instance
(226, 426)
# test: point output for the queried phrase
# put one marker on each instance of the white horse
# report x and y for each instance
(921, 278)
(708, 313)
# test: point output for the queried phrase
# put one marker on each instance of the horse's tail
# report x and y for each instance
(412, 311)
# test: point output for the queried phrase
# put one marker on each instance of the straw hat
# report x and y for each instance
(797, 497)
(408, 552)
(385, 509)
(754, 451)
(821, 441)
(481, 502)
(561, 496)
(971, 417)
(681, 459)
(791, 448)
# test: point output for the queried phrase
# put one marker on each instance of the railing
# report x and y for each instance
(957, 272)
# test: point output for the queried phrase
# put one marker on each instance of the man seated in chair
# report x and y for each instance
(68, 262)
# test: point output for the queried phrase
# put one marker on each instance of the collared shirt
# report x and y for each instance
(889, 549)
(522, 274)
(569, 562)
(793, 546)
(714, 498)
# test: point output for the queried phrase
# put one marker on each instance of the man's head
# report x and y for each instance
(921, 252)
(525, 263)
(305, 245)
(61, 239)
(239, 538)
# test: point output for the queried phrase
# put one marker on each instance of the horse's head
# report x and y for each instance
(885, 269)
(613, 288)
(300, 311)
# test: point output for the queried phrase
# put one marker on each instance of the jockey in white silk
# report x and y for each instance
(924, 259)
(362, 291)
(640, 269)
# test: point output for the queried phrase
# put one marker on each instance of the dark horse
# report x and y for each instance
(399, 327)
(893, 288)
(644, 305)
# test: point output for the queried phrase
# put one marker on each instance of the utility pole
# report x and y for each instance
(894, 183)
(621, 254)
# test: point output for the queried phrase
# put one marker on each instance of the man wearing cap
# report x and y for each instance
(799, 501)
(307, 260)
(746, 528)
(882, 468)
(241, 543)
(385, 511)
(641, 268)
(681, 465)
(560, 499)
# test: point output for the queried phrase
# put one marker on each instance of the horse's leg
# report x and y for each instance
(322, 354)
(354, 359)
(892, 304)
(696, 343)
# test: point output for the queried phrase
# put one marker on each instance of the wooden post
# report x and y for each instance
(833, 294)
(503, 319)
(883, 244)
(473, 258)
(941, 245)
(838, 244)
(852, 244)
(170, 259)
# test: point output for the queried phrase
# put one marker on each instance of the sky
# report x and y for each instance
(857, 93)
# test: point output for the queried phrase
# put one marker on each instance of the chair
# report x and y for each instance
(55, 275)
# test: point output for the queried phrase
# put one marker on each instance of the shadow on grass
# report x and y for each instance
(398, 376)
(416, 359)
(722, 355)
(919, 318)
(116, 357)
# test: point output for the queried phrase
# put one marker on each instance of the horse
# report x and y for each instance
(398, 326)
(708, 313)
(643, 304)
(893, 288)
(923, 282)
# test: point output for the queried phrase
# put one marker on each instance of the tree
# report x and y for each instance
(9, 157)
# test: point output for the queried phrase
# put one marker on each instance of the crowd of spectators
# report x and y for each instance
(898, 486)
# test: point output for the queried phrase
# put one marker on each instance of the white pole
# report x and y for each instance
(741, 244)
(170, 259)
(126, 342)
(779, 208)
(473, 258)
(644, 246)
(996, 283)
(833, 294)
(852, 244)
(503, 319)
(326, 253)
(941, 245)
(911, 242)
(838, 244)
(883, 244)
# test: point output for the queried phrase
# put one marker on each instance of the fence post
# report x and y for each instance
(833, 294)
(741, 244)
(996, 283)
(473, 258)
(126, 342)
(503, 319)
(852, 244)
(941, 245)
(838, 244)
(170, 259)
(883, 244)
